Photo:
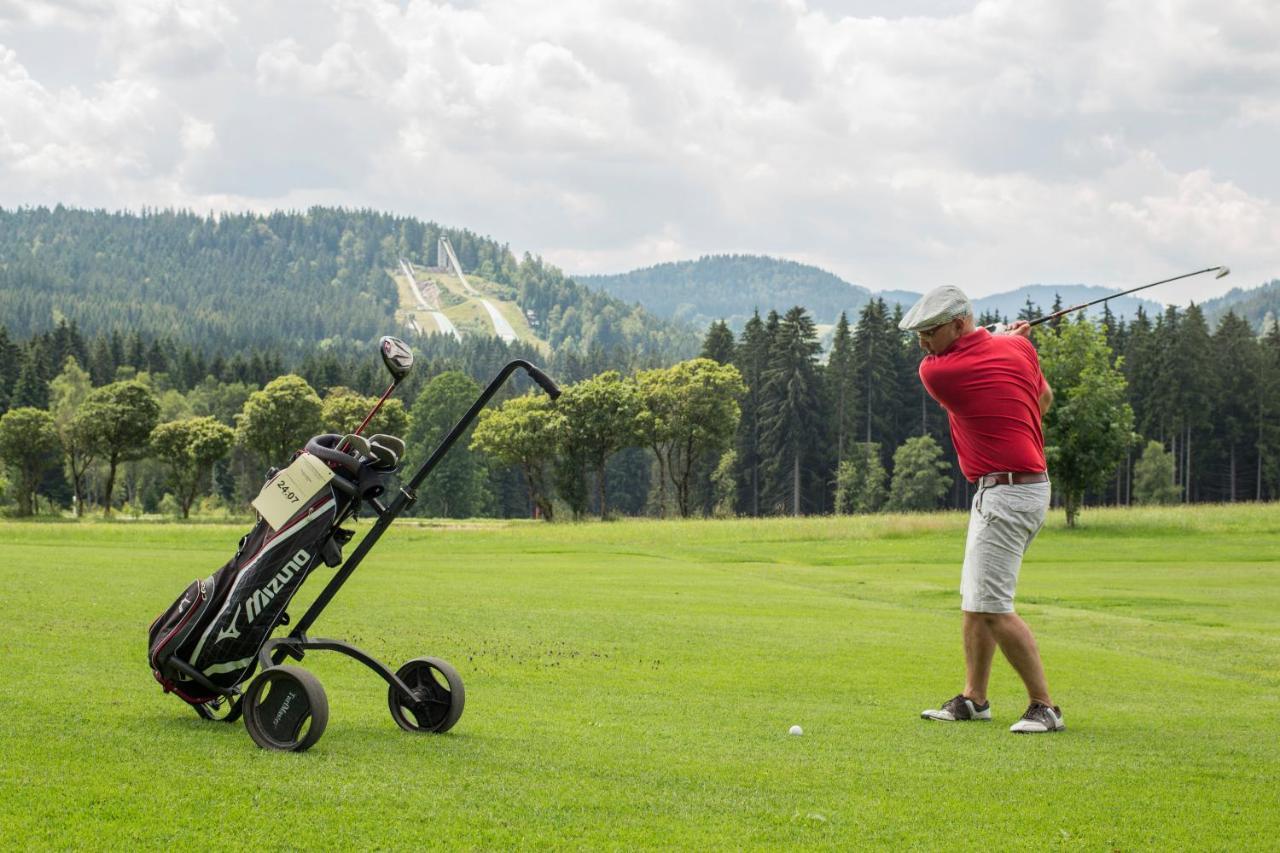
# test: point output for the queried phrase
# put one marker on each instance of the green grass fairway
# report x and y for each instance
(631, 685)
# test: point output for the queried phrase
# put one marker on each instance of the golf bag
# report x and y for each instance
(210, 637)
(206, 646)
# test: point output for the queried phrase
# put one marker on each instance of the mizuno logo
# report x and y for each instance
(256, 603)
(230, 632)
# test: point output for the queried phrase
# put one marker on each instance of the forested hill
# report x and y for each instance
(284, 282)
(1260, 306)
(731, 287)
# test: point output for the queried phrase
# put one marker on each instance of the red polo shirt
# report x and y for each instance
(990, 386)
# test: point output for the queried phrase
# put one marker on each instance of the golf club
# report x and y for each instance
(1220, 270)
(398, 359)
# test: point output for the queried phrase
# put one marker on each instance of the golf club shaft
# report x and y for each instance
(1221, 270)
(385, 394)
(346, 445)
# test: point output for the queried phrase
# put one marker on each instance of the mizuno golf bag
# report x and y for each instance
(218, 625)
(207, 645)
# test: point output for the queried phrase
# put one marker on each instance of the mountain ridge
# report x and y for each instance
(288, 281)
(731, 287)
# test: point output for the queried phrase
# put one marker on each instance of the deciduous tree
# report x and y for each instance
(690, 411)
(116, 421)
(343, 409)
(279, 419)
(522, 432)
(601, 415)
(29, 447)
(1089, 426)
(1153, 476)
(456, 487)
(920, 475)
(860, 480)
(67, 392)
(190, 447)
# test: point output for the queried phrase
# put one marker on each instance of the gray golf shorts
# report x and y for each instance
(1002, 523)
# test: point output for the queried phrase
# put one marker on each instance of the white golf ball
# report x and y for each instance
(795, 730)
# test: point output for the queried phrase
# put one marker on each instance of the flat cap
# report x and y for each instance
(936, 307)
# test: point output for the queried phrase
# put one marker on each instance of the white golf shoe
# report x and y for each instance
(1039, 718)
(958, 709)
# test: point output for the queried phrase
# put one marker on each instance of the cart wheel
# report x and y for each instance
(285, 708)
(438, 694)
(221, 710)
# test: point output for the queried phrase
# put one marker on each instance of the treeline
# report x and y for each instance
(1157, 409)
(285, 283)
(1211, 399)
(45, 380)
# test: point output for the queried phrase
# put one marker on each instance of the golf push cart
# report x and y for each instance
(210, 641)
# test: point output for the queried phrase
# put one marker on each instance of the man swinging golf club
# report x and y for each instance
(995, 396)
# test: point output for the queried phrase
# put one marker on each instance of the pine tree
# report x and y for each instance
(1234, 391)
(751, 357)
(906, 419)
(102, 364)
(1164, 418)
(718, 344)
(65, 342)
(874, 345)
(1193, 372)
(1057, 306)
(792, 434)
(1029, 311)
(9, 368)
(1268, 470)
(1139, 370)
(118, 359)
(842, 388)
(988, 318)
(1111, 328)
(135, 351)
(29, 389)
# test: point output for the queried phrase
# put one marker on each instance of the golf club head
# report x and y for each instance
(397, 356)
(1223, 271)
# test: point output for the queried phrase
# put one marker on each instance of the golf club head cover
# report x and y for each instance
(356, 445)
(325, 448)
(387, 450)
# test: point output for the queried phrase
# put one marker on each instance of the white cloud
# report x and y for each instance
(986, 143)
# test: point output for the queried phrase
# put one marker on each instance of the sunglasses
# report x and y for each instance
(929, 333)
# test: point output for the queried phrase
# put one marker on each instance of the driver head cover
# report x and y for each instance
(936, 307)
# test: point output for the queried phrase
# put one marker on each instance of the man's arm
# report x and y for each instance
(1046, 398)
(1023, 329)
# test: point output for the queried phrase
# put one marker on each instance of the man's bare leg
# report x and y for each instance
(1018, 645)
(979, 649)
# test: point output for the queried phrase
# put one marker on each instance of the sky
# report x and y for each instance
(899, 145)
